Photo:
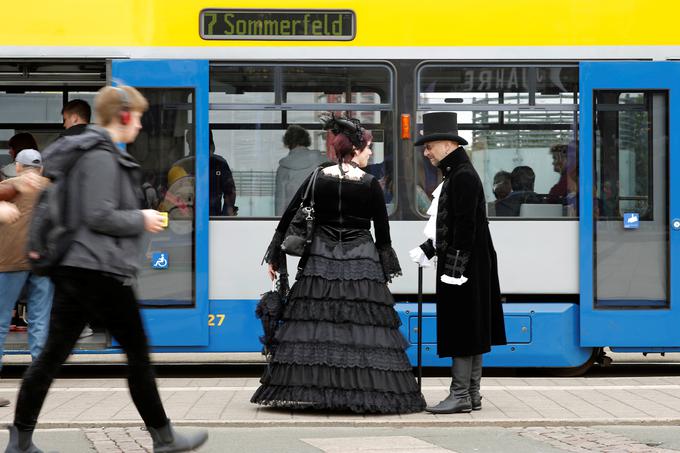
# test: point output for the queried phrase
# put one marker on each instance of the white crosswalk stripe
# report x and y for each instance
(382, 444)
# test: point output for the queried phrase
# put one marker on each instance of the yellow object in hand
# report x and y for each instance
(165, 219)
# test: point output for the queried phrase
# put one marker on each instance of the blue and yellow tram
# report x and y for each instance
(568, 95)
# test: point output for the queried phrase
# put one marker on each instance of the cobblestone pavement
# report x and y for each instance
(115, 440)
(584, 439)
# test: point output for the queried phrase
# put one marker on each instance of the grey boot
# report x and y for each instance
(475, 382)
(21, 441)
(459, 398)
(167, 440)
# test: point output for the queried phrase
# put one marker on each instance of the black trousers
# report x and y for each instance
(84, 296)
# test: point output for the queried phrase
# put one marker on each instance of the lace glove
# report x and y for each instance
(454, 267)
(418, 256)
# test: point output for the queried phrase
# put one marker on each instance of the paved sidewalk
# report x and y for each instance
(508, 402)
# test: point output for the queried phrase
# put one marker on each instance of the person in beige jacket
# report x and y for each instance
(14, 268)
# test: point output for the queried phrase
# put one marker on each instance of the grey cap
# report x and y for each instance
(29, 158)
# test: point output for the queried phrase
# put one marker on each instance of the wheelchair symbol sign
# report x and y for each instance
(159, 260)
(631, 220)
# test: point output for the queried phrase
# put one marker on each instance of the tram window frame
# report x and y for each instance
(280, 109)
(565, 132)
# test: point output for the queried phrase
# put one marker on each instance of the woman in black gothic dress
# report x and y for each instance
(339, 347)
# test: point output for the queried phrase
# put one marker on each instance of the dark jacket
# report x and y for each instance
(103, 201)
(470, 316)
(74, 130)
(222, 187)
(293, 170)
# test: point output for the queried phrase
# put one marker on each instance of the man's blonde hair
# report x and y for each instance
(110, 101)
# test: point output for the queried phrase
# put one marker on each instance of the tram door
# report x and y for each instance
(172, 149)
(630, 205)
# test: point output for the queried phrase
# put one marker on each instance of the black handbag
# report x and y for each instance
(298, 236)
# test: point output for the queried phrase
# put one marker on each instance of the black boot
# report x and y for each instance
(458, 400)
(475, 382)
(21, 441)
(167, 440)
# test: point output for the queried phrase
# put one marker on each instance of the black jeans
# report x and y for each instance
(82, 296)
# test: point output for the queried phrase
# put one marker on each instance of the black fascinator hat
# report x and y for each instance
(351, 127)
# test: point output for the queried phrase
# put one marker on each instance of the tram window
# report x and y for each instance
(31, 107)
(337, 84)
(557, 85)
(624, 156)
(254, 153)
(480, 85)
(526, 159)
(244, 116)
(249, 134)
(242, 84)
(630, 176)
(166, 152)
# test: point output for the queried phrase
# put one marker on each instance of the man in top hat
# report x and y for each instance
(469, 311)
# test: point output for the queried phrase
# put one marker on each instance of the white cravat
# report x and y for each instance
(430, 230)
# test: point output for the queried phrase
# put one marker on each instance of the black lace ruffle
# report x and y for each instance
(390, 262)
(341, 334)
(309, 287)
(358, 401)
(366, 379)
(354, 269)
(340, 356)
(342, 311)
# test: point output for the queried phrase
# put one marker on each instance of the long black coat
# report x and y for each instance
(469, 316)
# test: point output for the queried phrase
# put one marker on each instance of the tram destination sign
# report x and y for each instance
(278, 24)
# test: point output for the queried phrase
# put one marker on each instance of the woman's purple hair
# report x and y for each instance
(349, 135)
(344, 148)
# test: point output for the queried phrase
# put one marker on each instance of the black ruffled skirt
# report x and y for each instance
(339, 347)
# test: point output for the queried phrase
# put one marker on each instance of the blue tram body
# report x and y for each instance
(586, 259)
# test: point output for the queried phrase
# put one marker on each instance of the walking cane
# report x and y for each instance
(420, 328)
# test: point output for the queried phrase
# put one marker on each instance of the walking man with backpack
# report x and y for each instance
(96, 183)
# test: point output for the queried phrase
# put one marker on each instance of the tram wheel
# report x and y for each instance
(580, 370)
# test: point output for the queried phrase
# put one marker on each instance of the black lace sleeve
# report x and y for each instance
(383, 241)
(274, 255)
(390, 262)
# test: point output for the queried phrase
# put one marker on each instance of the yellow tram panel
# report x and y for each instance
(421, 23)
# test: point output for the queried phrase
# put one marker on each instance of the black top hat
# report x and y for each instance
(440, 126)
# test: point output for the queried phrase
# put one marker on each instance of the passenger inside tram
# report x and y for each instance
(522, 180)
(295, 166)
(501, 185)
(558, 192)
(18, 142)
(76, 114)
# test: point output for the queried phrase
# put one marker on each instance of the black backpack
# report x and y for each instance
(49, 235)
